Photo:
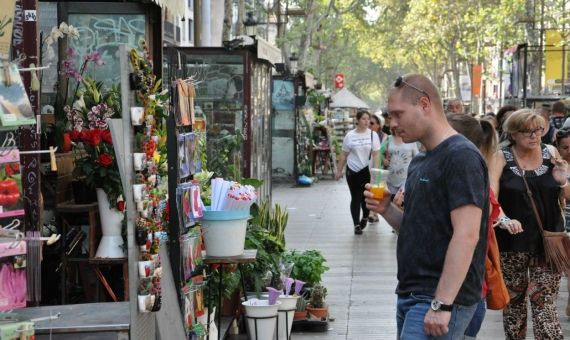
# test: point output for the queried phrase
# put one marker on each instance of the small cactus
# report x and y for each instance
(318, 295)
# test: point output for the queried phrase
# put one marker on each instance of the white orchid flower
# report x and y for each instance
(73, 32)
(49, 41)
(55, 34)
(64, 28)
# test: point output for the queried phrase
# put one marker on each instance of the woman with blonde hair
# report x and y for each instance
(526, 274)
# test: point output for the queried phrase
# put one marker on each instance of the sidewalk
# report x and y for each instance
(362, 277)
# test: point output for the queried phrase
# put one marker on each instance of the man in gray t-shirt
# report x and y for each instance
(442, 231)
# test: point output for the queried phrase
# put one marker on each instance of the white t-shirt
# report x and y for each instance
(357, 145)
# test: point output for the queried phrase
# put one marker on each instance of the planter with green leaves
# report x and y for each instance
(301, 309)
(309, 266)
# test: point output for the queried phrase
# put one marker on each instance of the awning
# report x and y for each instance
(345, 98)
(175, 7)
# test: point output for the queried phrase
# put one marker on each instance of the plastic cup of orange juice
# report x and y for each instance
(378, 181)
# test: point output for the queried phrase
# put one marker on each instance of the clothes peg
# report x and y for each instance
(53, 163)
(35, 84)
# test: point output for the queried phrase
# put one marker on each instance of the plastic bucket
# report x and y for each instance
(286, 315)
(224, 232)
(265, 328)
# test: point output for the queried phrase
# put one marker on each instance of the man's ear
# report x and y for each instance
(425, 104)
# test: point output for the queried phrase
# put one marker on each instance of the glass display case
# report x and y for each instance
(233, 92)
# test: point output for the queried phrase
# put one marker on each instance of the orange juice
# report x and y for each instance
(378, 190)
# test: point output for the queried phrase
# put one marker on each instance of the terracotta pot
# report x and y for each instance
(320, 313)
(300, 315)
(66, 142)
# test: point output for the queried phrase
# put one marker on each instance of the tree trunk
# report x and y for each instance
(306, 36)
(241, 16)
(454, 69)
(227, 29)
(198, 23)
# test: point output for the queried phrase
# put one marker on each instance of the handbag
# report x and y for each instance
(497, 292)
(556, 244)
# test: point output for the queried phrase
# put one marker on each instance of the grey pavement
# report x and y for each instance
(362, 275)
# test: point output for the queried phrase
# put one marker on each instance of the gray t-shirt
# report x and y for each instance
(400, 158)
(450, 176)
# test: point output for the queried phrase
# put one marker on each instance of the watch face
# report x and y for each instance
(435, 305)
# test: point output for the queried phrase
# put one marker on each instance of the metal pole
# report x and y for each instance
(541, 43)
(563, 91)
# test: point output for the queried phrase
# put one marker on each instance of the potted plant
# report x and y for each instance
(317, 306)
(143, 291)
(309, 266)
(95, 158)
(301, 309)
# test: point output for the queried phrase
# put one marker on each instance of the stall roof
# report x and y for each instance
(345, 98)
(177, 7)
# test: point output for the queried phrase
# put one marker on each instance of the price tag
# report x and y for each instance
(30, 15)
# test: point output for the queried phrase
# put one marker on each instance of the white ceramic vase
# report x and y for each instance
(286, 315)
(111, 245)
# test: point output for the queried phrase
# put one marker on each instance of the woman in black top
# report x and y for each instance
(522, 255)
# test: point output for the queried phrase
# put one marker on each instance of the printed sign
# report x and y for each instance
(6, 25)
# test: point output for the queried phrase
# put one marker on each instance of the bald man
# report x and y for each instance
(442, 230)
(455, 106)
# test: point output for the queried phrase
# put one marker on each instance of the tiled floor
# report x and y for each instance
(362, 277)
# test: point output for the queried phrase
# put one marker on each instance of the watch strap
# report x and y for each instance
(446, 308)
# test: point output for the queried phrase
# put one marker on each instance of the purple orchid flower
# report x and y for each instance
(298, 286)
(273, 295)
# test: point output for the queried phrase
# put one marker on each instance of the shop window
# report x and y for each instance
(105, 33)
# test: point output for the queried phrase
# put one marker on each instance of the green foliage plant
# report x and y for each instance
(309, 266)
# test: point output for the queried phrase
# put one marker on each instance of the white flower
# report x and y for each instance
(49, 41)
(73, 32)
(64, 28)
(55, 34)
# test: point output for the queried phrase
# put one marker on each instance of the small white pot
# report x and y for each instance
(265, 327)
(142, 300)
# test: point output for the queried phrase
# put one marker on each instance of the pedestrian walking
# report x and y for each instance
(443, 227)
(558, 116)
(359, 147)
(523, 262)
(399, 155)
(502, 115)
(376, 124)
(455, 106)
(563, 145)
(386, 126)
(482, 133)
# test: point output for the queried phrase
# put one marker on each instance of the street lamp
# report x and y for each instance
(294, 59)
(250, 24)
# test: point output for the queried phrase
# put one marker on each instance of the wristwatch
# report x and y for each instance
(437, 305)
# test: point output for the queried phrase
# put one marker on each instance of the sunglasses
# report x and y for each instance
(528, 133)
(400, 82)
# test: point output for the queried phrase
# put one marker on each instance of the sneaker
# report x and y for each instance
(357, 230)
(363, 223)
(373, 219)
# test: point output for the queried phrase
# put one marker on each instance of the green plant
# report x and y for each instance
(273, 220)
(231, 282)
(301, 304)
(224, 152)
(309, 266)
(318, 295)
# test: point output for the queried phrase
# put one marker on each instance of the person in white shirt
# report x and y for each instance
(358, 148)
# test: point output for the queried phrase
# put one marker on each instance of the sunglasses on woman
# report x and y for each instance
(563, 133)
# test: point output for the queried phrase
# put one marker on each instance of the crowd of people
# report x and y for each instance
(471, 200)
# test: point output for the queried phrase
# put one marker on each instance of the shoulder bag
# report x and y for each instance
(497, 292)
(556, 244)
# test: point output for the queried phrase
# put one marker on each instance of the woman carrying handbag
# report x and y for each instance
(528, 180)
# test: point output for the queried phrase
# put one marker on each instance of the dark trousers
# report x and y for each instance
(356, 182)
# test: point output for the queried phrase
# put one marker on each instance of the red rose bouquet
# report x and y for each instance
(94, 155)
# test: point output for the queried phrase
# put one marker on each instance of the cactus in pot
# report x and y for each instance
(317, 305)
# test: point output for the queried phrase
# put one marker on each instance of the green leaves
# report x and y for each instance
(309, 266)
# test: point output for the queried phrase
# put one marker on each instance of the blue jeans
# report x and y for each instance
(412, 309)
(477, 321)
